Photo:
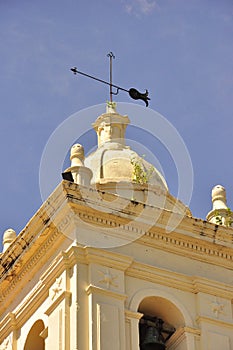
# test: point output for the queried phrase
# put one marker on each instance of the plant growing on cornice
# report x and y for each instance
(218, 217)
(228, 218)
(140, 174)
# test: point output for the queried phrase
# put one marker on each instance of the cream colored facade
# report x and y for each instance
(90, 263)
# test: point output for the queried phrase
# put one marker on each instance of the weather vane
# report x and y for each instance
(133, 93)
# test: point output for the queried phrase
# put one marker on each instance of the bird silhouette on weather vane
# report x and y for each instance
(133, 93)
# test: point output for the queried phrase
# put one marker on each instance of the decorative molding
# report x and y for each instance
(176, 338)
(208, 286)
(191, 330)
(7, 326)
(108, 279)
(160, 276)
(106, 292)
(133, 315)
(188, 246)
(179, 281)
(56, 289)
(217, 308)
(30, 265)
(203, 240)
(200, 228)
(63, 261)
(200, 244)
(77, 254)
(180, 334)
(64, 295)
(108, 259)
(206, 242)
(66, 221)
(216, 322)
(40, 292)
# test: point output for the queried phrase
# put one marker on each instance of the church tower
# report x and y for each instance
(96, 267)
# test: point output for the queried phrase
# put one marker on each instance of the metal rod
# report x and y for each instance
(111, 56)
(75, 71)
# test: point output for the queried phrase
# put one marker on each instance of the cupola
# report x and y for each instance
(114, 161)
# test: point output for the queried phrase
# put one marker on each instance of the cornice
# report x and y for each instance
(192, 237)
(33, 235)
(160, 276)
(35, 298)
(192, 284)
(86, 255)
(135, 269)
(9, 324)
(183, 241)
(63, 261)
(91, 289)
(28, 268)
(180, 334)
(65, 295)
(191, 330)
(190, 247)
(109, 259)
(129, 314)
(218, 289)
(216, 322)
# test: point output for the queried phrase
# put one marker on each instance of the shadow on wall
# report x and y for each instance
(34, 339)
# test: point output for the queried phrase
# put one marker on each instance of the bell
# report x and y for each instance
(152, 340)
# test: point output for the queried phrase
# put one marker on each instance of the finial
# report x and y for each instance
(8, 237)
(220, 214)
(219, 197)
(77, 155)
(77, 172)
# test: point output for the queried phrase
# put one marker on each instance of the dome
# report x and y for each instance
(113, 162)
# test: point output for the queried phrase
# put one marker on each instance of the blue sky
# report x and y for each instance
(181, 51)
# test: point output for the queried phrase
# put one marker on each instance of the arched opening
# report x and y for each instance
(161, 318)
(34, 340)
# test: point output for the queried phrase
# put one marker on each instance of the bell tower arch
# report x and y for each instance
(163, 321)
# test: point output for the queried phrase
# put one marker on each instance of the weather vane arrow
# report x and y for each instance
(133, 93)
